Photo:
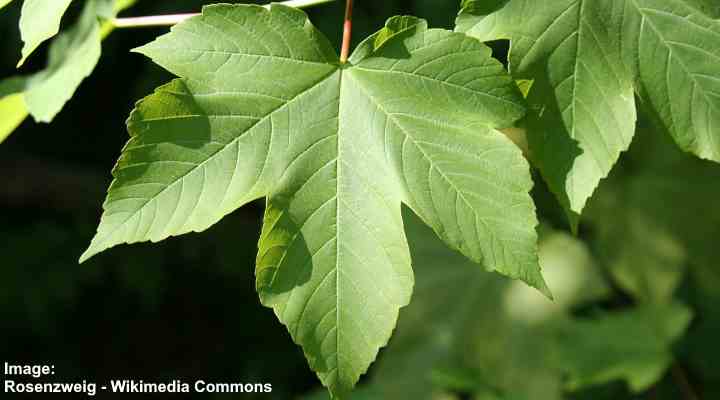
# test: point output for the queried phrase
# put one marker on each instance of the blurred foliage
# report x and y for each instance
(645, 259)
(632, 345)
(472, 333)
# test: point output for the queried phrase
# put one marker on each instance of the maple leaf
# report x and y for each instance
(264, 108)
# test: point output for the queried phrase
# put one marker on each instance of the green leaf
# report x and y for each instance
(652, 217)
(511, 342)
(633, 345)
(588, 59)
(39, 21)
(644, 257)
(3, 3)
(13, 111)
(336, 149)
(109, 9)
(72, 57)
(360, 394)
(709, 7)
(463, 318)
(394, 26)
(12, 105)
(700, 350)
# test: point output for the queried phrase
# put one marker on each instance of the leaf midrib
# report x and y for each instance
(459, 192)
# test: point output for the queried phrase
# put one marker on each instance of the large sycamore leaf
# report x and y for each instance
(263, 108)
(588, 60)
(39, 21)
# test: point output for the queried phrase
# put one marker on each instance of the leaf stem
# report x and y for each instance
(172, 19)
(347, 32)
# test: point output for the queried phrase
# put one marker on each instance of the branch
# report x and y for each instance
(169, 20)
(347, 32)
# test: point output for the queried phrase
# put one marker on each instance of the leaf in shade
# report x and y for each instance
(461, 318)
(12, 105)
(652, 218)
(73, 56)
(39, 21)
(633, 345)
(480, 333)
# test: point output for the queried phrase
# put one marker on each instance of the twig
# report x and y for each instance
(347, 32)
(172, 19)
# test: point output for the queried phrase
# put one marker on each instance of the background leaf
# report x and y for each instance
(497, 330)
(39, 21)
(592, 56)
(632, 345)
(12, 105)
(645, 239)
(3, 3)
(72, 57)
(472, 333)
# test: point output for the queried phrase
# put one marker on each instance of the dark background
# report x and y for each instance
(183, 308)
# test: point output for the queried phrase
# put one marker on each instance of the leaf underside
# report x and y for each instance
(647, 240)
(588, 60)
(336, 149)
(39, 21)
(461, 317)
(471, 332)
(72, 57)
